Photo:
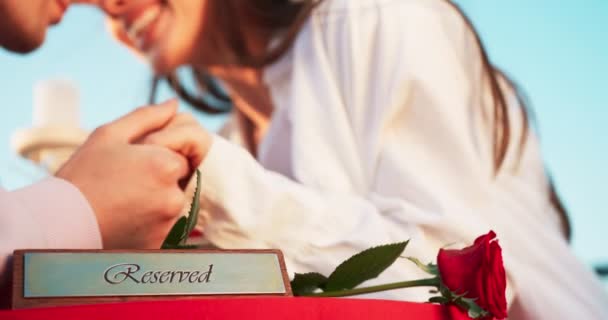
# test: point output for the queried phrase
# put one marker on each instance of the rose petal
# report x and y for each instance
(478, 272)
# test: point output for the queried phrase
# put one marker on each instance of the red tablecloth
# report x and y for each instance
(246, 308)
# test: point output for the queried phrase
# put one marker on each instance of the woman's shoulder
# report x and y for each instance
(340, 8)
(393, 29)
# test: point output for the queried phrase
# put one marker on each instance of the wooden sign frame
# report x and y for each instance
(20, 302)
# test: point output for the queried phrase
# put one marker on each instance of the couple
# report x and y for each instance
(355, 123)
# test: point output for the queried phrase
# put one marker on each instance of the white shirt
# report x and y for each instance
(378, 137)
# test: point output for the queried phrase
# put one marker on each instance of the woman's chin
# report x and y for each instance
(164, 63)
(161, 65)
(162, 69)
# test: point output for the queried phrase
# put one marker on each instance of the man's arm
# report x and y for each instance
(113, 191)
(49, 214)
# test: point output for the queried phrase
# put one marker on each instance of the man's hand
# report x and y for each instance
(132, 188)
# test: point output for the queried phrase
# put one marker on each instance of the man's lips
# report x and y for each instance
(63, 4)
(59, 9)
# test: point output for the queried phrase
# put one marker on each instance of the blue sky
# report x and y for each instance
(558, 52)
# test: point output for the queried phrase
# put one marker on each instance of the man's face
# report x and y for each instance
(23, 23)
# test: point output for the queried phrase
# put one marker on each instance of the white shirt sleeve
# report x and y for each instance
(249, 206)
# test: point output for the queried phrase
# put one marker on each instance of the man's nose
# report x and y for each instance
(113, 7)
(94, 2)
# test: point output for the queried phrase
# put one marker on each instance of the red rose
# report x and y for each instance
(477, 272)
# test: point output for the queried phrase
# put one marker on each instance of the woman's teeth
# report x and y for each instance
(141, 23)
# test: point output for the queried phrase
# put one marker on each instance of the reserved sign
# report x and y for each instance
(80, 274)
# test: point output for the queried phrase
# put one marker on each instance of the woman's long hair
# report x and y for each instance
(283, 19)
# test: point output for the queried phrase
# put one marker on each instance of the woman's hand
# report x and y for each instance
(184, 135)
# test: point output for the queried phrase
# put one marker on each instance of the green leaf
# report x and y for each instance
(445, 291)
(304, 283)
(175, 235)
(363, 266)
(474, 310)
(194, 208)
(428, 268)
(440, 300)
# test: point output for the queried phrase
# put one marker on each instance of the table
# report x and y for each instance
(246, 308)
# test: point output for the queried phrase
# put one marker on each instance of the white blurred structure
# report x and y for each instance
(55, 131)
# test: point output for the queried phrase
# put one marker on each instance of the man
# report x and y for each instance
(112, 192)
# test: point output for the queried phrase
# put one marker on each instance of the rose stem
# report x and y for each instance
(430, 282)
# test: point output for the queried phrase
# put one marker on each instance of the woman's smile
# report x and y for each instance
(144, 26)
(164, 31)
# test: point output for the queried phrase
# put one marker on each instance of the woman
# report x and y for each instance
(364, 122)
